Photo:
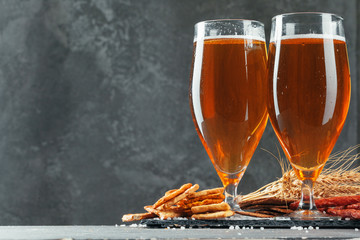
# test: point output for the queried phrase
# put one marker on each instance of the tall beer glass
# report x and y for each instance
(309, 94)
(228, 95)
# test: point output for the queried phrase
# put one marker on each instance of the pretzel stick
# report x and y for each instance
(211, 208)
(211, 196)
(267, 201)
(172, 195)
(206, 192)
(204, 202)
(180, 197)
(221, 214)
(281, 210)
(137, 216)
(170, 191)
(164, 214)
(254, 214)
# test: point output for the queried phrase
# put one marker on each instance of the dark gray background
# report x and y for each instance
(95, 119)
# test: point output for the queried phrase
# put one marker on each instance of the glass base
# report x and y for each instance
(230, 197)
(310, 215)
(233, 204)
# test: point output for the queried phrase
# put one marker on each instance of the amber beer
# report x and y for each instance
(309, 98)
(229, 107)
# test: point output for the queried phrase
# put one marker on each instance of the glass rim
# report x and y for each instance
(307, 13)
(230, 20)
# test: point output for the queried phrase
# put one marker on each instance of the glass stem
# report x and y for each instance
(307, 196)
(230, 196)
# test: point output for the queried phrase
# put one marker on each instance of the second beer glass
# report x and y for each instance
(228, 95)
(309, 94)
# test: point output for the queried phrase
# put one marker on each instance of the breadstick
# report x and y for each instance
(221, 214)
(137, 216)
(180, 197)
(172, 195)
(211, 208)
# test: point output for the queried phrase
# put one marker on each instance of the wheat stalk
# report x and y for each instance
(339, 178)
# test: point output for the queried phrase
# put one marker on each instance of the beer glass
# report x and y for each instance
(309, 94)
(228, 95)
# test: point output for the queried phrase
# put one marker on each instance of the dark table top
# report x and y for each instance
(142, 232)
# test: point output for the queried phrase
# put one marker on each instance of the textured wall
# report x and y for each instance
(95, 119)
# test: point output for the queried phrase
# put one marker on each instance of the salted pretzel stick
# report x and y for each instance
(204, 202)
(172, 195)
(206, 192)
(267, 201)
(281, 210)
(187, 201)
(221, 214)
(170, 191)
(211, 208)
(164, 214)
(263, 206)
(253, 214)
(180, 197)
(211, 196)
(137, 216)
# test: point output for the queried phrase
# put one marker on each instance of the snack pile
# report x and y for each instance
(266, 207)
(345, 207)
(186, 202)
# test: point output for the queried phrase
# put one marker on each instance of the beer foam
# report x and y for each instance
(232, 37)
(311, 35)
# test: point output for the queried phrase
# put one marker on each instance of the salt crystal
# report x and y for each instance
(237, 227)
(307, 231)
(251, 227)
(116, 225)
(133, 225)
(168, 218)
(168, 227)
(311, 228)
(293, 228)
(262, 228)
(231, 227)
(299, 228)
(192, 218)
(303, 237)
(182, 227)
(122, 225)
(239, 234)
(347, 219)
(243, 227)
(356, 229)
(317, 228)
